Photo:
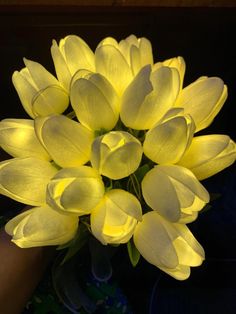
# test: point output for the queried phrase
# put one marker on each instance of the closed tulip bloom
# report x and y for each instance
(149, 96)
(25, 179)
(114, 219)
(67, 141)
(120, 62)
(75, 190)
(71, 55)
(42, 226)
(18, 138)
(203, 99)
(174, 192)
(169, 246)
(168, 140)
(94, 101)
(40, 92)
(116, 154)
(209, 154)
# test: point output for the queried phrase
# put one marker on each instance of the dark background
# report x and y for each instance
(205, 37)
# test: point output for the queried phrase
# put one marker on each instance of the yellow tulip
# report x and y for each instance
(149, 96)
(42, 226)
(67, 141)
(174, 192)
(94, 101)
(167, 141)
(75, 190)
(18, 138)
(114, 219)
(25, 179)
(40, 92)
(169, 246)
(203, 99)
(209, 154)
(116, 154)
(71, 55)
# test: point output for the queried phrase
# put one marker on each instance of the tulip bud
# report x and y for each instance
(42, 226)
(169, 246)
(114, 219)
(71, 55)
(116, 154)
(209, 154)
(18, 138)
(174, 192)
(94, 101)
(168, 140)
(149, 96)
(40, 92)
(75, 190)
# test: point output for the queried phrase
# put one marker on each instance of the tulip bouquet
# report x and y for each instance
(124, 162)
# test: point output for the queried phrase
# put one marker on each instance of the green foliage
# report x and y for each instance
(134, 254)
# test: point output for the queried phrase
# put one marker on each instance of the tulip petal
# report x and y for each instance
(154, 243)
(203, 99)
(167, 142)
(67, 141)
(41, 226)
(156, 185)
(77, 190)
(25, 179)
(78, 55)
(209, 154)
(147, 99)
(62, 70)
(92, 96)
(111, 63)
(18, 138)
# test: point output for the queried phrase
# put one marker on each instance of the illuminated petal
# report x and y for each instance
(17, 138)
(113, 220)
(185, 193)
(111, 64)
(62, 70)
(149, 97)
(95, 102)
(171, 247)
(177, 63)
(209, 154)
(203, 99)
(167, 141)
(25, 179)
(76, 190)
(41, 226)
(67, 141)
(116, 154)
(77, 54)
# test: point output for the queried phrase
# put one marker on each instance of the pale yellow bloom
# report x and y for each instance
(75, 190)
(94, 101)
(18, 138)
(203, 99)
(174, 192)
(149, 96)
(42, 226)
(67, 141)
(71, 55)
(114, 219)
(40, 92)
(116, 154)
(168, 140)
(25, 179)
(169, 246)
(209, 154)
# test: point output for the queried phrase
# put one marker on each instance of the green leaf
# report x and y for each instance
(141, 171)
(134, 254)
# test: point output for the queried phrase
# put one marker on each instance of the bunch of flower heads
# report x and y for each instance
(125, 162)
